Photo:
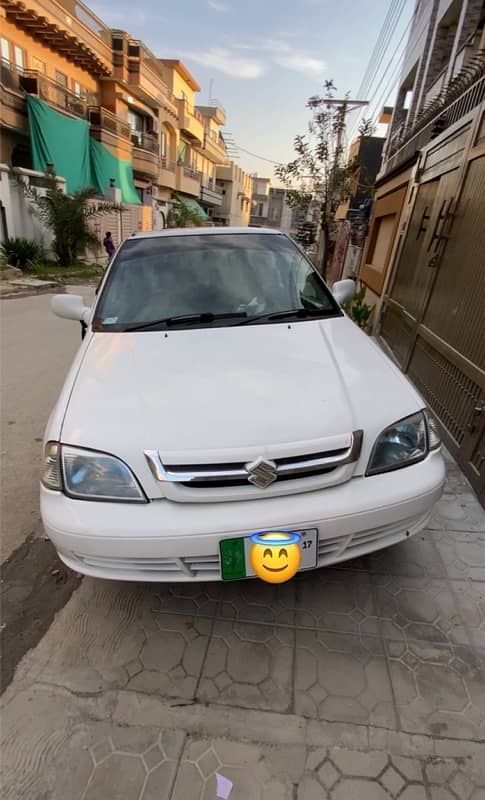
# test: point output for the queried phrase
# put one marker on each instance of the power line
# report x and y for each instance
(377, 105)
(365, 85)
(394, 15)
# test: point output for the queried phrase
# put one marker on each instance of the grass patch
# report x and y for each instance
(76, 274)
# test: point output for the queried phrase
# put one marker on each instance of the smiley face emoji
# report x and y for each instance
(275, 555)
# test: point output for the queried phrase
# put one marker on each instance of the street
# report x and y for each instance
(365, 680)
(36, 351)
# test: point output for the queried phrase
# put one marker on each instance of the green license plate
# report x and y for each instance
(234, 555)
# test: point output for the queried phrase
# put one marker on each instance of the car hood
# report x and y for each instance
(233, 393)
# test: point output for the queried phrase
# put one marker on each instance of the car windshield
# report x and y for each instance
(210, 279)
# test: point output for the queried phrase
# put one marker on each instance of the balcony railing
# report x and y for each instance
(189, 172)
(10, 76)
(145, 141)
(166, 163)
(100, 117)
(55, 94)
(463, 94)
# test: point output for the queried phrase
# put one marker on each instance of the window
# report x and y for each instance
(37, 64)
(61, 78)
(5, 49)
(163, 144)
(76, 88)
(18, 57)
(250, 274)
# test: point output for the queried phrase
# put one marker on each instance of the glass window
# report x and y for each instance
(76, 88)
(61, 78)
(19, 57)
(247, 274)
(5, 49)
(37, 64)
(163, 144)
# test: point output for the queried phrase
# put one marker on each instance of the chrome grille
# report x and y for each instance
(240, 474)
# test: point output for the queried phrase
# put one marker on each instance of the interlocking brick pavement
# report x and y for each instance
(362, 681)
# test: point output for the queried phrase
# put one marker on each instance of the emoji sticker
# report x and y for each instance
(275, 555)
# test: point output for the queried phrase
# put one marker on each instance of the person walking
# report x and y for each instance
(109, 246)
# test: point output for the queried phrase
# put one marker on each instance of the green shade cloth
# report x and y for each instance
(80, 159)
(105, 165)
(192, 205)
(62, 141)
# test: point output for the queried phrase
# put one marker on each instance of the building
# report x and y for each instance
(260, 201)
(424, 264)
(352, 215)
(236, 187)
(144, 133)
(270, 208)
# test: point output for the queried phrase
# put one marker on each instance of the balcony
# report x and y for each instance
(464, 93)
(145, 156)
(191, 122)
(167, 175)
(145, 78)
(69, 28)
(110, 130)
(55, 94)
(211, 196)
(188, 181)
(213, 147)
(213, 111)
(13, 112)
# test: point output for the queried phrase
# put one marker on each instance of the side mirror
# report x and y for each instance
(70, 306)
(343, 290)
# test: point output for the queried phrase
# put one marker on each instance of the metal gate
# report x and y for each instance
(434, 316)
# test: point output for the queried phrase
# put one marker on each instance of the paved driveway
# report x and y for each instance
(363, 682)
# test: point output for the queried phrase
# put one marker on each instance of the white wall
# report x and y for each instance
(19, 210)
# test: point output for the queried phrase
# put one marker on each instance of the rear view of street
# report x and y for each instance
(361, 681)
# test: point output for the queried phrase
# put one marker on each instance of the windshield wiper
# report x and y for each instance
(186, 319)
(291, 313)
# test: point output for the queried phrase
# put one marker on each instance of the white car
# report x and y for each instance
(219, 391)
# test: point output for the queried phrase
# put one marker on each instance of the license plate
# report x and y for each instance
(235, 562)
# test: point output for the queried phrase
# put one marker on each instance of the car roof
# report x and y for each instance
(202, 232)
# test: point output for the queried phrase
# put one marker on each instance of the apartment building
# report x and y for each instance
(260, 201)
(236, 187)
(423, 265)
(134, 113)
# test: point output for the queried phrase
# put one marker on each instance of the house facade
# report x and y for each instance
(424, 264)
(138, 112)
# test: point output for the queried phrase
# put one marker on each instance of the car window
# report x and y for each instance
(155, 278)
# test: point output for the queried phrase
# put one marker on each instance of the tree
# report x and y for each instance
(182, 216)
(318, 170)
(67, 216)
(367, 127)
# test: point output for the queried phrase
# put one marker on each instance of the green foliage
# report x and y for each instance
(367, 127)
(318, 173)
(359, 311)
(181, 216)
(67, 216)
(22, 253)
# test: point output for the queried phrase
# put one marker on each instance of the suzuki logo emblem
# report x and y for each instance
(261, 473)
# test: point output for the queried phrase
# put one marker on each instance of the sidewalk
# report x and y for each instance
(364, 682)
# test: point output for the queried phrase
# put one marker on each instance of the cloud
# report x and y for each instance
(284, 55)
(218, 5)
(301, 63)
(224, 61)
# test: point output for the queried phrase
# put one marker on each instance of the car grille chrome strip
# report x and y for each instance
(226, 473)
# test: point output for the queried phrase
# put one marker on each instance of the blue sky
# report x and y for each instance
(263, 58)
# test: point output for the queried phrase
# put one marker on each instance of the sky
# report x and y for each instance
(262, 59)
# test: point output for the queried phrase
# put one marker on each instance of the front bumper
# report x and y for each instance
(168, 541)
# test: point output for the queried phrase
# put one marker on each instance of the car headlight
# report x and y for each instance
(404, 443)
(89, 475)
